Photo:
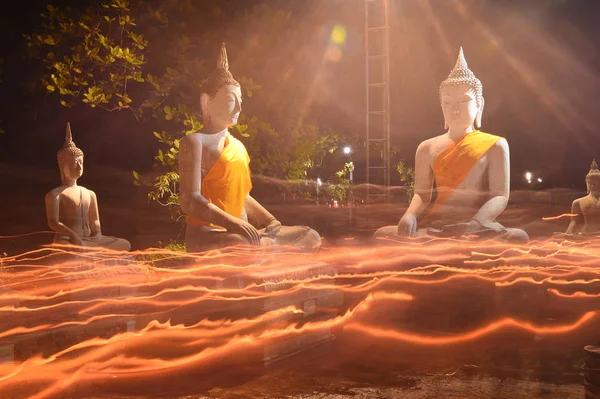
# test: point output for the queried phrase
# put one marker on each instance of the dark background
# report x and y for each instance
(538, 61)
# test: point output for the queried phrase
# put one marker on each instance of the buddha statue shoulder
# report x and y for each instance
(71, 209)
(215, 178)
(462, 177)
(585, 211)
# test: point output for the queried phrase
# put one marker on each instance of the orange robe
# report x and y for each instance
(454, 163)
(227, 183)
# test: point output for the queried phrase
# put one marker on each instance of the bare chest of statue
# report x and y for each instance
(74, 205)
(590, 208)
(472, 191)
(476, 179)
(212, 147)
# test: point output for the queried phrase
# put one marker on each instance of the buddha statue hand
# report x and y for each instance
(75, 240)
(456, 230)
(245, 229)
(465, 228)
(407, 226)
(272, 228)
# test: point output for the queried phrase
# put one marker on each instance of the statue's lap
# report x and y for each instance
(302, 237)
(389, 234)
(109, 242)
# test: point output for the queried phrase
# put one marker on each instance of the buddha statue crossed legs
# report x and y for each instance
(467, 169)
(215, 179)
(585, 219)
(72, 210)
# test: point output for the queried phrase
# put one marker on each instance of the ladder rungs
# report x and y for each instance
(377, 57)
(376, 84)
(376, 139)
(377, 167)
(377, 112)
(376, 27)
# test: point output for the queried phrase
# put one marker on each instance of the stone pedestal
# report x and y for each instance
(316, 304)
(592, 371)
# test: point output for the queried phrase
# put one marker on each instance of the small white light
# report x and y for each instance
(319, 182)
(528, 175)
(347, 150)
(539, 180)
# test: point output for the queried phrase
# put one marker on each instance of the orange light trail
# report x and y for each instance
(564, 215)
(577, 294)
(498, 325)
(215, 306)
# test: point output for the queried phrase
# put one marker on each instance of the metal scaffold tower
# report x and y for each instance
(378, 99)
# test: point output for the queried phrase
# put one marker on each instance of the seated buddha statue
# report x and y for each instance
(215, 179)
(462, 177)
(72, 210)
(585, 219)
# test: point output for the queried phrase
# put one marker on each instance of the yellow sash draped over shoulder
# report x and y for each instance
(227, 183)
(454, 163)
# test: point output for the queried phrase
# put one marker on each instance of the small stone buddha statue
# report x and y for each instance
(586, 210)
(72, 210)
(215, 181)
(465, 171)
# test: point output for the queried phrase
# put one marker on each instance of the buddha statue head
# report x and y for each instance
(70, 159)
(592, 180)
(461, 96)
(221, 96)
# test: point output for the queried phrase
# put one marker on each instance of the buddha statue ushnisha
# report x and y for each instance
(586, 210)
(215, 179)
(72, 210)
(465, 171)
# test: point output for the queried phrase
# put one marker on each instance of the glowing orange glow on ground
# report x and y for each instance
(212, 307)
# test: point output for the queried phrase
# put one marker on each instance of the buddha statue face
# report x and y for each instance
(70, 159)
(460, 107)
(593, 184)
(71, 167)
(221, 97)
(222, 110)
(592, 180)
(461, 96)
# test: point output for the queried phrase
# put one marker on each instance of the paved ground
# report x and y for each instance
(126, 212)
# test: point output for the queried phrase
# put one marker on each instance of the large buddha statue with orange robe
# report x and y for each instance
(462, 177)
(215, 179)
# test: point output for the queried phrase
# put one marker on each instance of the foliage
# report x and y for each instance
(338, 189)
(172, 246)
(91, 57)
(407, 176)
(164, 259)
(149, 59)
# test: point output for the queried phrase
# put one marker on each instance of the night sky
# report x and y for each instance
(539, 62)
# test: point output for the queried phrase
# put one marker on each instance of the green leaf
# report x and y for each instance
(169, 112)
(49, 40)
(136, 175)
